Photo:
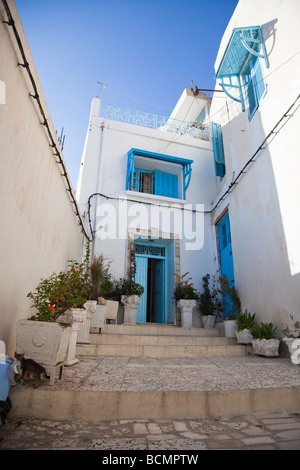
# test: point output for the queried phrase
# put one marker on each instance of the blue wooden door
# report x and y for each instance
(226, 255)
(141, 277)
(159, 291)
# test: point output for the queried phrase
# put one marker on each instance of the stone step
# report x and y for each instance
(160, 350)
(138, 340)
(127, 388)
(158, 341)
(159, 329)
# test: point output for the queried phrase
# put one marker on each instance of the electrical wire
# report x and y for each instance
(232, 185)
(165, 206)
(251, 160)
(60, 161)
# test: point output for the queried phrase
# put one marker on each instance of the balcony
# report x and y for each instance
(152, 121)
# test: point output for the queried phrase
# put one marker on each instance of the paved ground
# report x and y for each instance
(258, 431)
(252, 432)
(143, 374)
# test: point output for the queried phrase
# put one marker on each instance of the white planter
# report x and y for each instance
(208, 321)
(266, 347)
(44, 342)
(186, 306)
(84, 326)
(131, 303)
(72, 317)
(112, 307)
(230, 328)
(244, 336)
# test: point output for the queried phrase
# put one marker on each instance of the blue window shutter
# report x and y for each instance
(259, 79)
(166, 184)
(218, 149)
(254, 84)
(201, 116)
(130, 170)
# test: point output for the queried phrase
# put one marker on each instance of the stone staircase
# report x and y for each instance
(160, 341)
(160, 371)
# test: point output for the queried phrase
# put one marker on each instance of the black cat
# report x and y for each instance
(31, 369)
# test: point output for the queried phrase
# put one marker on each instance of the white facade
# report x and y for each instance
(120, 216)
(264, 203)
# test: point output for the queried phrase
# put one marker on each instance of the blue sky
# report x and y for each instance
(146, 51)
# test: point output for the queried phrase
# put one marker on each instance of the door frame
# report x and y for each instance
(218, 223)
(157, 257)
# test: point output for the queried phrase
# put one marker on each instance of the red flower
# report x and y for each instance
(51, 307)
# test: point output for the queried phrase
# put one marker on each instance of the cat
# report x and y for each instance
(5, 407)
(32, 369)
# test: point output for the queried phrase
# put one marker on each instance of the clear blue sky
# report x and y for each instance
(146, 51)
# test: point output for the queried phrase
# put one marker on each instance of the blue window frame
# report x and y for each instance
(245, 44)
(217, 141)
(160, 183)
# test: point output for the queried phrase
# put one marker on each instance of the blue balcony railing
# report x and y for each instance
(153, 121)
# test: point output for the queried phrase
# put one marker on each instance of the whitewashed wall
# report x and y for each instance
(39, 229)
(264, 206)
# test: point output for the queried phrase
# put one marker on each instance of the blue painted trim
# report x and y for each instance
(231, 85)
(160, 156)
(187, 174)
(130, 170)
(235, 56)
(164, 259)
(217, 140)
(145, 255)
(238, 37)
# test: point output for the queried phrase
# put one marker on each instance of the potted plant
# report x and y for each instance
(59, 299)
(209, 304)
(41, 337)
(264, 341)
(245, 322)
(79, 290)
(91, 278)
(232, 306)
(187, 298)
(102, 279)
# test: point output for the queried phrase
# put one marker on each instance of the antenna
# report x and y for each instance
(102, 85)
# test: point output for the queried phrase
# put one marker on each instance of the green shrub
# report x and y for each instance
(264, 331)
(245, 321)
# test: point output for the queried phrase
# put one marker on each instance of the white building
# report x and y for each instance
(144, 185)
(231, 187)
(258, 65)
